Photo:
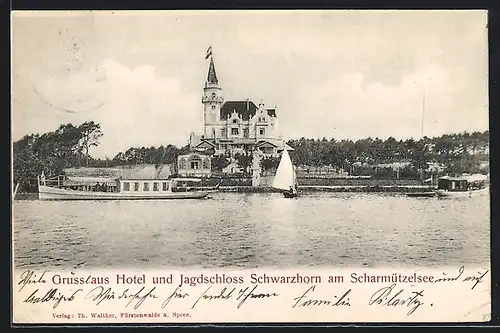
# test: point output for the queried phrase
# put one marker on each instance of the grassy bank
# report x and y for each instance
(310, 181)
(365, 189)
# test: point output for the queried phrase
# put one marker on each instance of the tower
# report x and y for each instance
(212, 101)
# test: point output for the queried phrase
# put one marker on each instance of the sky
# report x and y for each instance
(334, 74)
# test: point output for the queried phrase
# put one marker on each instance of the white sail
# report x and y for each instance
(285, 175)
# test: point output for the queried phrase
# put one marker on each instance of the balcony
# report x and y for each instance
(217, 99)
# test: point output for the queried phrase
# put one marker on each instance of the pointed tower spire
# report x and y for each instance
(212, 76)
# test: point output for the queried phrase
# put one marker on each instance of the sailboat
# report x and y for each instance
(286, 177)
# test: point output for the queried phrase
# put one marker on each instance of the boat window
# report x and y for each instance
(164, 186)
(136, 186)
(126, 186)
(156, 186)
(146, 187)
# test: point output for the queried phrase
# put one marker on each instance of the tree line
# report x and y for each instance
(52, 152)
(69, 145)
(456, 153)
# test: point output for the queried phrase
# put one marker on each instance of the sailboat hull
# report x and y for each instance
(290, 195)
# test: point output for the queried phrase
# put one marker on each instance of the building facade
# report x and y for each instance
(231, 127)
(194, 165)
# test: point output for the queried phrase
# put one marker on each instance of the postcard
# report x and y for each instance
(266, 166)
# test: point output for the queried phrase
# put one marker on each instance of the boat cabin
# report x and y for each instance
(86, 184)
(122, 185)
(462, 183)
(157, 185)
(144, 185)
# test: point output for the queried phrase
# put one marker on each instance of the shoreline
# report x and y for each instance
(326, 188)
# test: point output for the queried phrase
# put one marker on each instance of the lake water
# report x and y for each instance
(253, 230)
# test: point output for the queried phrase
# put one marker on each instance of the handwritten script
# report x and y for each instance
(404, 294)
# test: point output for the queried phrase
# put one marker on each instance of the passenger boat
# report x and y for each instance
(87, 188)
(463, 186)
(286, 177)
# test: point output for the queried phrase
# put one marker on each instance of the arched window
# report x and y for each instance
(213, 107)
(194, 162)
(213, 95)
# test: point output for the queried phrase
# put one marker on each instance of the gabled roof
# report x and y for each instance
(205, 144)
(266, 144)
(245, 109)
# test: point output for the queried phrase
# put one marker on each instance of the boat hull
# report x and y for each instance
(289, 195)
(52, 193)
(462, 194)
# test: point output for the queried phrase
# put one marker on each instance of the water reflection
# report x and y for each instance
(253, 230)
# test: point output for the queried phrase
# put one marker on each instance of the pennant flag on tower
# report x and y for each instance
(209, 52)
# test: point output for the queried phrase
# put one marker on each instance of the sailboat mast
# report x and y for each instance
(422, 135)
(423, 114)
(294, 177)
